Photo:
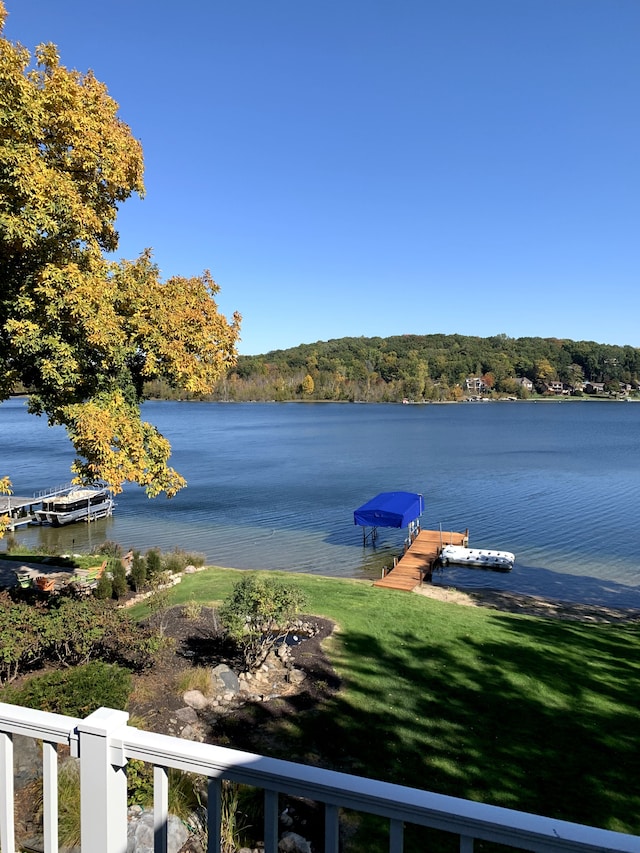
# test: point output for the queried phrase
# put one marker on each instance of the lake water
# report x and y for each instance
(274, 486)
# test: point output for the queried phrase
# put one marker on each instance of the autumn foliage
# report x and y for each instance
(82, 332)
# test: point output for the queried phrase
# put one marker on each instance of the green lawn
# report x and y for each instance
(528, 713)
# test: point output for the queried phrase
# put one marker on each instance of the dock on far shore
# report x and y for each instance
(419, 558)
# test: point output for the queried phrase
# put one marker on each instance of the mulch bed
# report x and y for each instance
(254, 726)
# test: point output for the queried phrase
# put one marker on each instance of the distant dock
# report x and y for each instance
(419, 558)
(20, 511)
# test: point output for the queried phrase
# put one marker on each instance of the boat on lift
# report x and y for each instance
(78, 504)
(481, 558)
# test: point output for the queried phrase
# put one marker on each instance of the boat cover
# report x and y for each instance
(390, 509)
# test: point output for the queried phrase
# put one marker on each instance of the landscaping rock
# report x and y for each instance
(195, 699)
(187, 715)
(192, 732)
(140, 833)
(27, 761)
(296, 676)
(291, 842)
(224, 680)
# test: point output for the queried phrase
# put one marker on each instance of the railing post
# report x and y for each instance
(271, 821)
(7, 823)
(160, 809)
(466, 844)
(214, 814)
(103, 782)
(331, 829)
(50, 796)
(396, 836)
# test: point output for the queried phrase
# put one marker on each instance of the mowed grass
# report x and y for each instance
(532, 714)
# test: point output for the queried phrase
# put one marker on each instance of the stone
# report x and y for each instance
(190, 732)
(291, 842)
(195, 699)
(187, 715)
(190, 570)
(140, 834)
(27, 760)
(285, 818)
(227, 676)
(296, 676)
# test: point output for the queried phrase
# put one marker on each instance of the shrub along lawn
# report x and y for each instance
(534, 714)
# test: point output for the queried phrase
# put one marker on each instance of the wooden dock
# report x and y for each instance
(417, 561)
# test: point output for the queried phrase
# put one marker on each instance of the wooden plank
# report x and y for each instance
(418, 560)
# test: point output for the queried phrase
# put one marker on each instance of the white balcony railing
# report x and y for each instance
(104, 743)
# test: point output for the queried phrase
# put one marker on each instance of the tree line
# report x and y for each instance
(421, 367)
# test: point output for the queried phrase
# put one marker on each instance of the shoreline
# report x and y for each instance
(491, 599)
(529, 605)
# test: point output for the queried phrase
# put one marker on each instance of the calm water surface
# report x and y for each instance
(275, 485)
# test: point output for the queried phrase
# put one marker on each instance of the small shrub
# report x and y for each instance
(69, 812)
(119, 581)
(77, 692)
(192, 609)
(23, 635)
(138, 574)
(185, 794)
(154, 563)
(237, 804)
(158, 604)
(11, 544)
(175, 561)
(139, 783)
(69, 804)
(109, 549)
(104, 588)
(258, 614)
(196, 678)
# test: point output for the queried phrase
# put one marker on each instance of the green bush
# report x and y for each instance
(139, 783)
(178, 560)
(23, 636)
(119, 584)
(104, 588)
(175, 561)
(109, 549)
(77, 691)
(192, 609)
(69, 804)
(69, 631)
(138, 576)
(258, 613)
(154, 563)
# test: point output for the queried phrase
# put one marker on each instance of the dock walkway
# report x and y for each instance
(417, 561)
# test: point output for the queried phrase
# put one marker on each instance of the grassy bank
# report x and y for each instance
(528, 713)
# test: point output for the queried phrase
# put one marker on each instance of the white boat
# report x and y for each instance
(482, 558)
(80, 504)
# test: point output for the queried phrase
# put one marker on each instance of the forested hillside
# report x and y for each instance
(426, 367)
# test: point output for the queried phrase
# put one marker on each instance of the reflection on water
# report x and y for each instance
(275, 485)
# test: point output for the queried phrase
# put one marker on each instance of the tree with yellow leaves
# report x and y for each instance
(81, 332)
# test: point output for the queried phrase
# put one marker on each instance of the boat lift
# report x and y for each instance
(390, 509)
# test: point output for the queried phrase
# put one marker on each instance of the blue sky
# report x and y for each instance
(379, 167)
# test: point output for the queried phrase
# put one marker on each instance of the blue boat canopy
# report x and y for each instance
(390, 509)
